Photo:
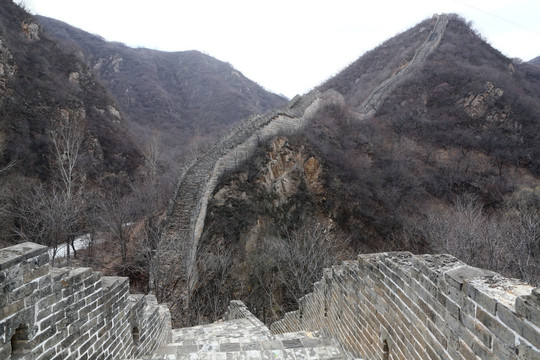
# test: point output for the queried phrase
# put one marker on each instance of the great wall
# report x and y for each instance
(375, 99)
(379, 306)
(72, 313)
(187, 211)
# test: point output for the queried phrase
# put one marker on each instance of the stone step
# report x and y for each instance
(239, 328)
(312, 353)
(241, 339)
(255, 341)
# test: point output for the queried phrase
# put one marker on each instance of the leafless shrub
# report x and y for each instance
(507, 242)
(287, 266)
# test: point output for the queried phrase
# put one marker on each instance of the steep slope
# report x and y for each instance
(188, 96)
(63, 142)
(535, 61)
(461, 124)
(43, 88)
(375, 99)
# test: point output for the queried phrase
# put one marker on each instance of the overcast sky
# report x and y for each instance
(289, 46)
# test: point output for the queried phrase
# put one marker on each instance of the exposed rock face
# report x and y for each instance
(284, 172)
(113, 62)
(7, 65)
(483, 106)
(31, 29)
(477, 105)
(287, 167)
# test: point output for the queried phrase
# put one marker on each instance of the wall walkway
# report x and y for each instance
(72, 313)
(402, 306)
(375, 99)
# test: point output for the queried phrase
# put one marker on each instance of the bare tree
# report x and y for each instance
(152, 160)
(301, 256)
(67, 133)
(46, 217)
(523, 243)
(507, 241)
(67, 136)
(116, 216)
(8, 166)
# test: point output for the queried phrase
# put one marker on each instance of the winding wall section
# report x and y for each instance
(376, 98)
(187, 211)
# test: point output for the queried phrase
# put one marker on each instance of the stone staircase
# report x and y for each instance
(186, 214)
(245, 339)
(376, 98)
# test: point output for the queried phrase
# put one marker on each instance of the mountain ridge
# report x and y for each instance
(185, 95)
(40, 83)
(459, 136)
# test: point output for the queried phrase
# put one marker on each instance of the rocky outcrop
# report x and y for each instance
(477, 105)
(283, 174)
(31, 30)
(7, 65)
(187, 212)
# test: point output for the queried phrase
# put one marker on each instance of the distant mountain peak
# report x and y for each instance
(183, 95)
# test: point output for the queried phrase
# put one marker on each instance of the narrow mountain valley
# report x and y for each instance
(92, 133)
(184, 98)
(202, 187)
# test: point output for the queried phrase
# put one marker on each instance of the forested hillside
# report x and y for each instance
(187, 98)
(41, 87)
(450, 163)
(447, 162)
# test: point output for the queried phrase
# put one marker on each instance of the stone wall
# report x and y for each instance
(376, 98)
(238, 310)
(400, 306)
(72, 313)
(186, 215)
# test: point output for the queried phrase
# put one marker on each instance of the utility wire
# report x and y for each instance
(497, 17)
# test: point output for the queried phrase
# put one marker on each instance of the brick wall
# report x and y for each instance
(72, 313)
(400, 306)
(238, 310)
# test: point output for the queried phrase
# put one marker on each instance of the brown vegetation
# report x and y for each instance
(187, 97)
(61, 137)
(438, 169)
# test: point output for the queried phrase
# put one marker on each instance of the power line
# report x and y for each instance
(497, 17)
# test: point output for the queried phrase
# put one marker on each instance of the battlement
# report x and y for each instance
(381, 306)
(72, 313)
(404, 306)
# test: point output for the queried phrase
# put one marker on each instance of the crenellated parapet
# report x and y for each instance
(404, 306)
(72, 313)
